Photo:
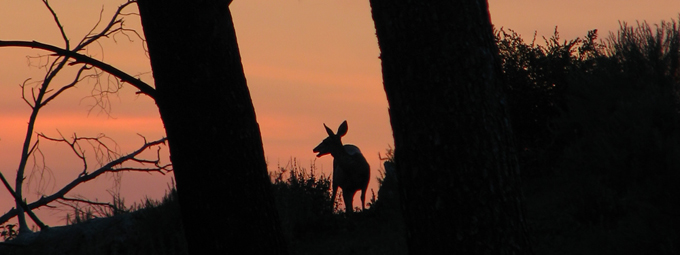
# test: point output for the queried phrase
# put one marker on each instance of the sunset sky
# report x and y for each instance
(307, 62)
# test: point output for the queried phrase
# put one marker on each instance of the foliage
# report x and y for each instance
(158, 219)
(7, 231)
(311, 225)
(90, 210)
(535, 80)
(625, 108)
(150, 227)
(162, 220)
(388, 193)
(303, 199)
(596, 127)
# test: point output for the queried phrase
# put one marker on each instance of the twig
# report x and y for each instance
(56, 20)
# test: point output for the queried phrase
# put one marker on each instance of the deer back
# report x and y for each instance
(351, 171)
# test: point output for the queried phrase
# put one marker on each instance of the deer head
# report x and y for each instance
(333, 143)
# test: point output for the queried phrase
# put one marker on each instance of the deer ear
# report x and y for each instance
(342, 130)
(328, 130)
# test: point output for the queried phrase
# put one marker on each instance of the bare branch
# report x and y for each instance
(124, 77)
(107, 30)
(86, 201)
(40, 97)
(112, 166)
(22, 203)
(68, 86)
(56, 20)
(54, 68)
(75, 147)
(23, 93)
(101, 12)
(101, 91)
(41, 175)
(25, 152)
(96, 206)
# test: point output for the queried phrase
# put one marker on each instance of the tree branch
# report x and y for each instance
(68, 86)
(23, 204)
(107, 30)
(112, 166)
(80, 58)
(56, 20)
(82, 200)
(71, 57)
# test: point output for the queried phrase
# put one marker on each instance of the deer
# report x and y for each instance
(351, 171)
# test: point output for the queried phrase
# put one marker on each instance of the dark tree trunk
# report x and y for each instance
(453, 144)
(214, 139)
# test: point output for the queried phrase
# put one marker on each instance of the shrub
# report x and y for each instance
(536, 77)
(303, 199)
(388, 192)
(604, 115)
(8, 231)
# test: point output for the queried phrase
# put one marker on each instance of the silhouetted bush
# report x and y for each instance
(597, 128)
(535, 81)
(626, 106)
(388, 193)
(311, 226)
(303, 200)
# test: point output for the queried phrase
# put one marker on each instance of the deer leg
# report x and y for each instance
(363, 199)
(349, 196)
(335, 190)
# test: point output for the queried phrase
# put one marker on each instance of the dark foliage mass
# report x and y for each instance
(303, 199)
(311, 222)
(596, 124)
(152, 227)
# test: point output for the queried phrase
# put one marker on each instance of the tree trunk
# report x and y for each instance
(214, 139)
(458, 174)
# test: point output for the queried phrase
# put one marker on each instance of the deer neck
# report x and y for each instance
(346, 155)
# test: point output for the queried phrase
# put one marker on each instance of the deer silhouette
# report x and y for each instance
(351, 171)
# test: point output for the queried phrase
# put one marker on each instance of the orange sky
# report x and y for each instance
(307, 63)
